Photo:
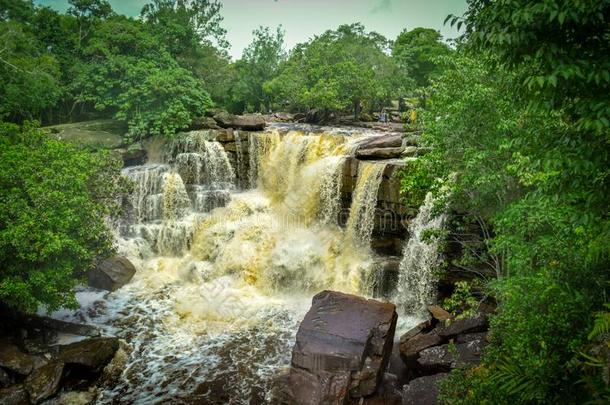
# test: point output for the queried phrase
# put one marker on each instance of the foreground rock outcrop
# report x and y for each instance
(36, 367)
(342, 349)
(435, 347)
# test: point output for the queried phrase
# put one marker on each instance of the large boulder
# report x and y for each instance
(422, 390)
(44, 381)
(94, 354)
(135, 155)
(342, 348)
(13, 359)
(248, 122)
(111, 274)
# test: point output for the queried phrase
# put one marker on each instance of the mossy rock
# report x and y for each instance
(96, 134)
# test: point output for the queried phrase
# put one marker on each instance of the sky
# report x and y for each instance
(302, 19)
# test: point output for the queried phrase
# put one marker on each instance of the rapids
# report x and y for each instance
(228, 256)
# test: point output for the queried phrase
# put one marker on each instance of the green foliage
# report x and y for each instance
(462, 303)
(53, 213)
(601, 326)
(519, 118)
(346, 68)
(29, 76)
(417, 51)
(259, 63)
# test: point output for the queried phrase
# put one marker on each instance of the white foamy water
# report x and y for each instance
(224, 276)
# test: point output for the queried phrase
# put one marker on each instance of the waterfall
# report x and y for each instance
(168, 199)
(222, 269)
(416, 280)
(364, 201)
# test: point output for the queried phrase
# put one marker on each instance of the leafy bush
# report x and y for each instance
(53, 212)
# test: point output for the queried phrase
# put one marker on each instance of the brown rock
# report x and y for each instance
(226, 135)
(14, 395)
(343, 341)
(111, 274)
(203, 123)
(379, 153)
(463, 326)
(422, 390)
(249, 122)
(384, 141)
(93, 353)
(44, 381)
(410, 347)
(444, 358)
(15, 360)
(439, 313)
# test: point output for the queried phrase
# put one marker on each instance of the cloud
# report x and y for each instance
(382, 5)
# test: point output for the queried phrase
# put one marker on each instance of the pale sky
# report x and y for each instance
(302, 19)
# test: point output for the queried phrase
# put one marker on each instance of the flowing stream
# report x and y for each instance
(229, 255)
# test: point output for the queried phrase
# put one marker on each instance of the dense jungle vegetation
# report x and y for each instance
(516, 111)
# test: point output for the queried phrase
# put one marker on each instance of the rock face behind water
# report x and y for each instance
(111, 274)
(342, 349)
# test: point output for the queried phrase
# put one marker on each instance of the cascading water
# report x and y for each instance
(224, 276)
(362, 211)
(416, 279)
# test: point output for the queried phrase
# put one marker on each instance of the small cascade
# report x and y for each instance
(176, 202)
(146, 198)
(364, 202)
(201, 160)
(416, 280)
(330, 191)
(240, 164)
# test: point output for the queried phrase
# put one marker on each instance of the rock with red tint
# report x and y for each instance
(342, 349)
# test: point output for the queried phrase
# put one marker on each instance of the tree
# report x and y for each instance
(53, 214)
(132, 77)
(337, 70)
(259, 63)
(523, 126)
(29, 76)
(416, 52)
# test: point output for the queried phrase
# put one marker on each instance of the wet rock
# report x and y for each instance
(37, 324)
(111, 274)
(74, 398)
(319, 388)
(226, 135)
(135, 155)
(388, 393)
(422, 390)
(446, 357)
(5, 379)
(411, 347)
(13, 359)
(462, 326)
(379, 153)
(93, 354)
(249, 122)
(44, 381)
(439, 313)
(342, 348)
(14, 395)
